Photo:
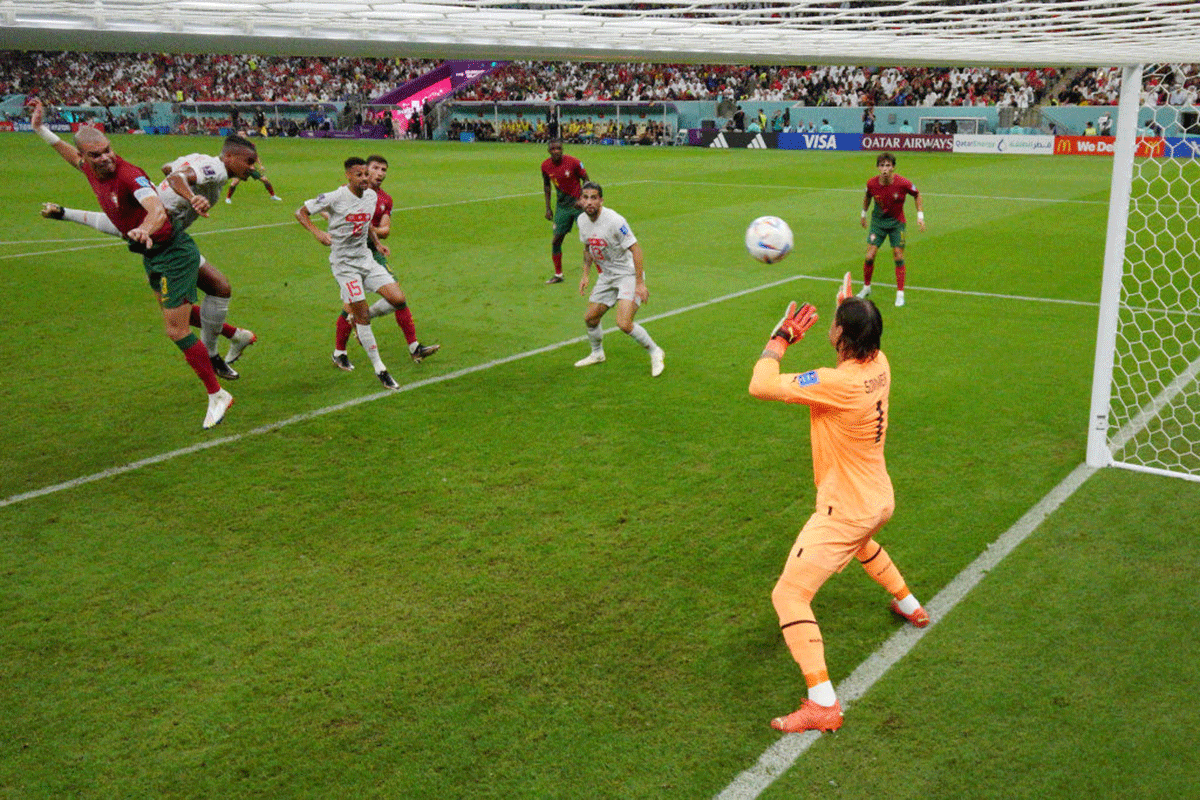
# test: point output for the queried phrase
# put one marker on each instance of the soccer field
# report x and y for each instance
(519, 579)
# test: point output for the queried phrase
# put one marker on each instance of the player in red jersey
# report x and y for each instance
(567, 174)
(381, 223)
(171, 259)
(888, 190)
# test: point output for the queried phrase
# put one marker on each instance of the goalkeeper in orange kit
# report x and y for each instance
(849, 418)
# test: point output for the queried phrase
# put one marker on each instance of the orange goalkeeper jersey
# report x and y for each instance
(849, 410)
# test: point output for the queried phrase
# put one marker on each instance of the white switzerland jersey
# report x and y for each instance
(608, 239)
(211, 175)
(349, 222)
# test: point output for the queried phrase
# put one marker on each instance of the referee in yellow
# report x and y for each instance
(849, 416)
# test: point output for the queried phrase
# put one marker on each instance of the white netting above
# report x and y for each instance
(949, 32)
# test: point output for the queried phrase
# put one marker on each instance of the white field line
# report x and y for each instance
(307, 415)
(780, 756)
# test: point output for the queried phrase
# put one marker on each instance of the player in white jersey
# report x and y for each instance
(192, 186)
(609, 244)
(350, 209)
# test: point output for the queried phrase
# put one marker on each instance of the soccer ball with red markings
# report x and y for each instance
(769, 239)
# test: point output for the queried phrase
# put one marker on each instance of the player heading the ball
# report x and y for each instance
(169, 257)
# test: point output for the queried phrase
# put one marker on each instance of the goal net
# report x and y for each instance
(1036, 33)
(1152, 421)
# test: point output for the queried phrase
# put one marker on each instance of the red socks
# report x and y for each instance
(197, 357)
(404, 319)
(342, 337)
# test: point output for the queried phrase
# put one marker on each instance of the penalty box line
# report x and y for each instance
(160, 458)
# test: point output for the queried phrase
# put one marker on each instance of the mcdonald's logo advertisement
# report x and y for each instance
(1147, 146)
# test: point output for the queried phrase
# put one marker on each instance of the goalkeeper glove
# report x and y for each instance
(791, 329)
(846, 290)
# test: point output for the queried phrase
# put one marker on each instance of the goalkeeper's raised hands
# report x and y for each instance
(791, 329)
(846, 289)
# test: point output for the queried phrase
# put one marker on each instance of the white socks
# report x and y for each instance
(909, 604)
(93, 219)
(822, 694)
(366, 337)
(596, 339)
(380, 308)
(641, 337)
(213, 311)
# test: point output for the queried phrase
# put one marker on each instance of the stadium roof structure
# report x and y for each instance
(886, 32)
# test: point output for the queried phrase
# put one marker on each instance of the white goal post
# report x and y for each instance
(1145, 407)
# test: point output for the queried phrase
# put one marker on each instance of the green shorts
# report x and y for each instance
(564, 218)
(172, 269)
(379, 257)
(886, 228)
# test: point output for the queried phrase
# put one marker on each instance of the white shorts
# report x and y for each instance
(357, 279)
(611, 288)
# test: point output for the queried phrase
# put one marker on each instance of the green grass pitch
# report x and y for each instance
(519, 579)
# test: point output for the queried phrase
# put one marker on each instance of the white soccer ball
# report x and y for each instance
(769, 239)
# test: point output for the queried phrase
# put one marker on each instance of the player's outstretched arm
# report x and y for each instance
(37, 119)
(766, 383)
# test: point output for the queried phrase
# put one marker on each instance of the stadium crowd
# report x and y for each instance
(125, 79)
(129, 79)
(811, 86)
(1166, 84)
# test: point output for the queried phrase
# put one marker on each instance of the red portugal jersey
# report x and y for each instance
(889, 200)
(119, 197)
(383, 205)
(567, 176)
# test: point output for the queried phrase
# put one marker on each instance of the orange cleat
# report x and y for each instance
(810, 717)
(918, 618)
